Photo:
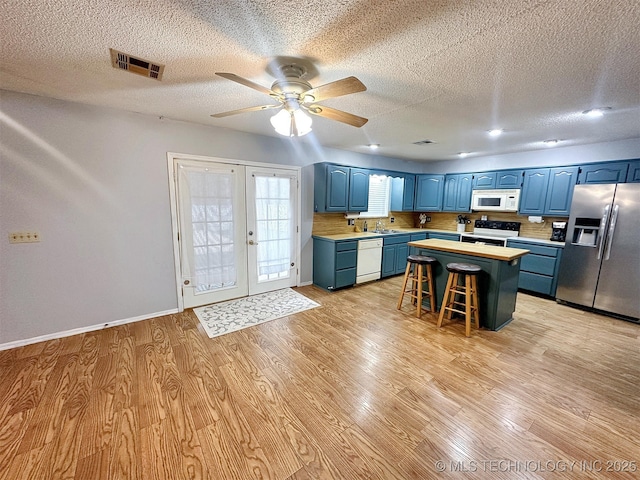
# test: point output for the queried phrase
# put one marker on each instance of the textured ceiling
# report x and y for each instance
(441, 70)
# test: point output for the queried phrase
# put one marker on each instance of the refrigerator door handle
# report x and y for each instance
(603, 225)
(612, 229)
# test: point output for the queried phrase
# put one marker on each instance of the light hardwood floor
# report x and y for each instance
(353, 389)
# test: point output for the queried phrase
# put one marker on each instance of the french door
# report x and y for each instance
(237, 230)
(271, 228)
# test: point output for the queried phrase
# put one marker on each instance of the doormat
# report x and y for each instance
(233, 315)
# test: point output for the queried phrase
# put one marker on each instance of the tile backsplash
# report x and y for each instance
(333, 223)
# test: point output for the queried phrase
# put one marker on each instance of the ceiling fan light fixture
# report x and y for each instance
(496, 132)
(294, 123)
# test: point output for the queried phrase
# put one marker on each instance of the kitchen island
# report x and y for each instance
(497, 283)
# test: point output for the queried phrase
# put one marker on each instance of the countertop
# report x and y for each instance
(361, 235)
(486, 251)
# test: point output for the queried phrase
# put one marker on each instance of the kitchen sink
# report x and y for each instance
(386, 232)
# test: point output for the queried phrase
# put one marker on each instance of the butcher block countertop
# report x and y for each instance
(486, 251)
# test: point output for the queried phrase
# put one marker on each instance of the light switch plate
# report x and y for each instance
(24, 237)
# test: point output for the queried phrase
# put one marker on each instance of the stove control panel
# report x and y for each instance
(497, 225)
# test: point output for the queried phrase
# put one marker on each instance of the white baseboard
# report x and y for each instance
(305, 284)
(76, 331)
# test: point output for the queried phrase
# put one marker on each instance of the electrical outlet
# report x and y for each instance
(24, 237)
(351, 221)
(428, 219)
(392, 220)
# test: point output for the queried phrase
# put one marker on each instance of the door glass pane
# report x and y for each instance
(274, 227)
(212, 222)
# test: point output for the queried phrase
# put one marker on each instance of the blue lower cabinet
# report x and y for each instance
(334, 263)
(388, 261)
(454, 237)
(414, 238)
(539, 268)
(394, 254)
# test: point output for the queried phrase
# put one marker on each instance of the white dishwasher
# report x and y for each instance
(369, 260)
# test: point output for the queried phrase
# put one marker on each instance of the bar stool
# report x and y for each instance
(421, 273)
(468, 288)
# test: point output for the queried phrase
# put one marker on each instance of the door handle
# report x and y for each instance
(251, 242)
(612, 229)
(603, 225)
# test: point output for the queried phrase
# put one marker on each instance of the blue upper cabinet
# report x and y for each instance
(358, 190)
(562, 181)
(484, 180)
(534, 191)
(337, 188)
(608, 172)
(340, 189)
(548, 191)
(633, 175)
(403, 189)
(429, 190)
(509, 179)
(457, 192)
(409, 192)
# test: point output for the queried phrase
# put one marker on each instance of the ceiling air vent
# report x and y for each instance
(423, 142)
(137, 65)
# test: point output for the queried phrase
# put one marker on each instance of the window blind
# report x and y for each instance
(379, 197)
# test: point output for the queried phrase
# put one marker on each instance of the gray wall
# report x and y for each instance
(553, 156)
(94, 183)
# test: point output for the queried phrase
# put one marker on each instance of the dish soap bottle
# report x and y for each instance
(364, 227)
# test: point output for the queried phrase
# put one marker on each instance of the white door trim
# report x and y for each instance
(172, 157)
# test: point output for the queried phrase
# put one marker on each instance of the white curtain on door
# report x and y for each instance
(208, 257)
(274, 227)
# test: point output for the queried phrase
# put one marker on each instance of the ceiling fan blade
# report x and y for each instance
(243, 110)
(248, 83)
(336, 89)
(339, 115)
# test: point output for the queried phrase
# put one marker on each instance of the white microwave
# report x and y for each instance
(503, 200)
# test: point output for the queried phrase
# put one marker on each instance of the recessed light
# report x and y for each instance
(551, 143)
(373, 146)
(496, 132)
(596, 112)
(463, 154)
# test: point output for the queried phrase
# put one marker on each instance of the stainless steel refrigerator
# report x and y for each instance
(600, 265)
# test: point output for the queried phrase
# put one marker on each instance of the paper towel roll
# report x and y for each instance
(533, 219)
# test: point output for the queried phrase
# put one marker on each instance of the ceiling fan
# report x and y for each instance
(295, 96)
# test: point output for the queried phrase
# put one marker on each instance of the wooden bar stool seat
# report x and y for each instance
(462, 282)
(418, 271)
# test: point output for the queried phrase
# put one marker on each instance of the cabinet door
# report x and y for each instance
(388, 261)
(409, 193)
(534, 191)
(633, 175)
(450, 197)
(337, 188)
(429, 189)
(402, 251)
(358, 190)
(509, 179)
(609, 172)
(465, 186)
(402, 193)
(484, 180)
(560, 191)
